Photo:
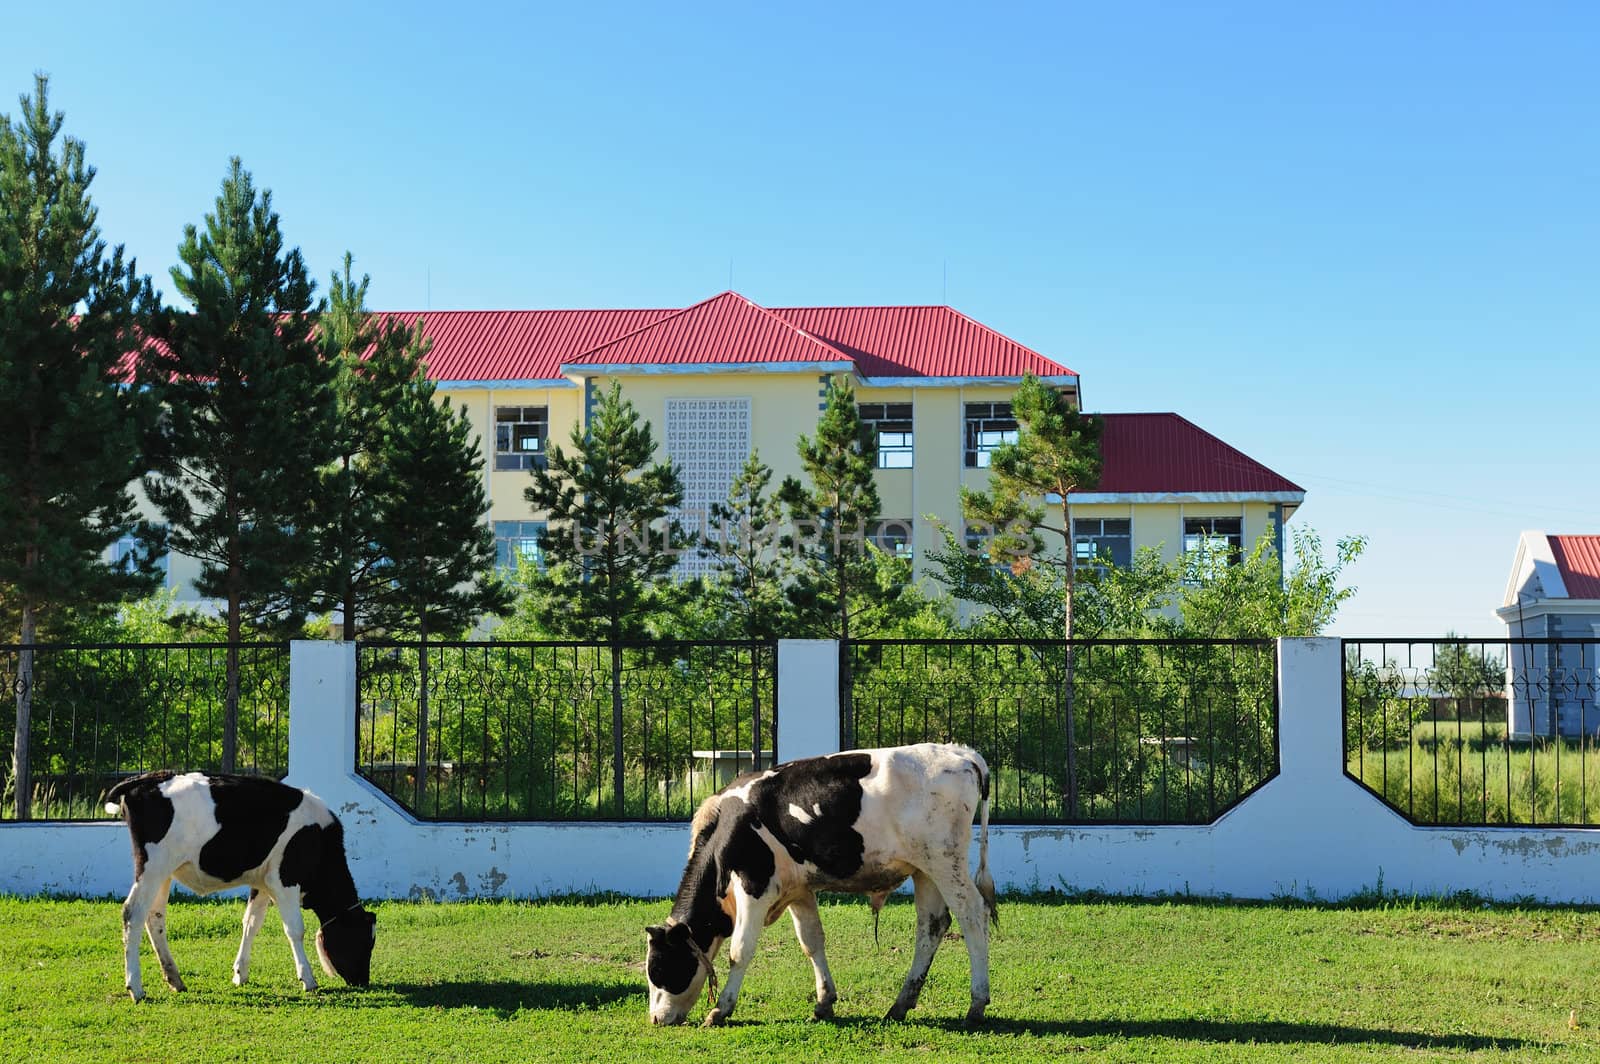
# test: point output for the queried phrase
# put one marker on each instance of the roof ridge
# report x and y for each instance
(649, 325)
(1000, 335)
(538, 310)
(819, 341)
(580, 358)
(866, 306)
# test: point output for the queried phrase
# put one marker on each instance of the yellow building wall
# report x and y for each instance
(1160, 525)
(784, 406)
(505, 486)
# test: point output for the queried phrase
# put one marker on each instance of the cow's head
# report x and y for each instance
(676, 969)
(344, 945)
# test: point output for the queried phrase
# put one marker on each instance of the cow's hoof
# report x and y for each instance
(822, 1011)
(897, 1012)
(136, 995)
(974, 1017)
(715, 1018)
(176, 983)
(240, 980)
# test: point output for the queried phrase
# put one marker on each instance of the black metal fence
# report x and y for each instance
(1174, 732)
(563, 731)
(1476, 732)
(101, 712)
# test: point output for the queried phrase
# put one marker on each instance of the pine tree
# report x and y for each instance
(610, 541)
(1057, 452)
(435, 551)
(69, 322)
(249, 421)
(747, 590)
(842, 585)
(377, 359)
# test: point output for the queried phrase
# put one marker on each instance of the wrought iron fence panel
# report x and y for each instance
(99, 713)
(1476, 732)
(527, 731)
(1160, 732)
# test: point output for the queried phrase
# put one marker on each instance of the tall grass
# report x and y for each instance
(1465, 772)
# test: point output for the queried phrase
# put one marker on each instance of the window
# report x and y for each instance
(1102, 543)
(517, 542)
(121, 555)
(893, 535)
(980, 543)
(520, 433)
(1222, 538)
(988, 425)
(889, 425)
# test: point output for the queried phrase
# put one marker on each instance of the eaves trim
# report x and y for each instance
(1288, 498)
(541, 382)
(1059, 380)
(653, 369)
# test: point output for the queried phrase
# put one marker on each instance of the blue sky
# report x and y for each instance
(1360, 242)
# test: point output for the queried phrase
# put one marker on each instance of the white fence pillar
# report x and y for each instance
(808, 698)
(322, 707)
(1311, 711)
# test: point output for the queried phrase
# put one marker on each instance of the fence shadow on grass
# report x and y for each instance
(1270, 1032)
(505, 998)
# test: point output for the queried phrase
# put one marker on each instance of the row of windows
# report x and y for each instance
(521, 434)
(517, 542)
(1098, 542)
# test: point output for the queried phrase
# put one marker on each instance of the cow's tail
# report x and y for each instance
(983, 880)
(113, 803)
(113, 800)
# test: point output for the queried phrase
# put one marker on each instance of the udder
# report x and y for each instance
(871, 879)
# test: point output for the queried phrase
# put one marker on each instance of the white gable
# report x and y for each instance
(1534, 574)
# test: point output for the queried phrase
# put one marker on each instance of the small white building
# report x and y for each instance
(1553, 594)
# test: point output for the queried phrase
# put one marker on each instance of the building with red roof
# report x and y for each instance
(1554, 588)
(727, 376)
(1553, 594)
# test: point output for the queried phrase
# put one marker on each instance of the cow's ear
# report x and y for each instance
(655, 933)
(372, 918)
(678, 934)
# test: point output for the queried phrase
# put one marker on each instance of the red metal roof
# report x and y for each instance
(1146, 453)
(927, 341)
(723, 329)
(509, 345)
(1578, 559)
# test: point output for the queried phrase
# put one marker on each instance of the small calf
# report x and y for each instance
(215, 832)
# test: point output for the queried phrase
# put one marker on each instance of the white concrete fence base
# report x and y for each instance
(1309, 832)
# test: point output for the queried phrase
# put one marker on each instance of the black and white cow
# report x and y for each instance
(856, 822)
(215, 832)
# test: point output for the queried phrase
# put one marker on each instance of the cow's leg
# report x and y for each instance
(933, 920)
(141, 898)
(255, 914)
(750, 916)
(808, 929)
(155, 925)
(294, 926)
(955, 883)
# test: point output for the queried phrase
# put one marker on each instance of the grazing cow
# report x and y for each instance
(856, 822)
(215, 832)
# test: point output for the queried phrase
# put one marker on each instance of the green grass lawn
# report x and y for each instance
(1088, 979)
